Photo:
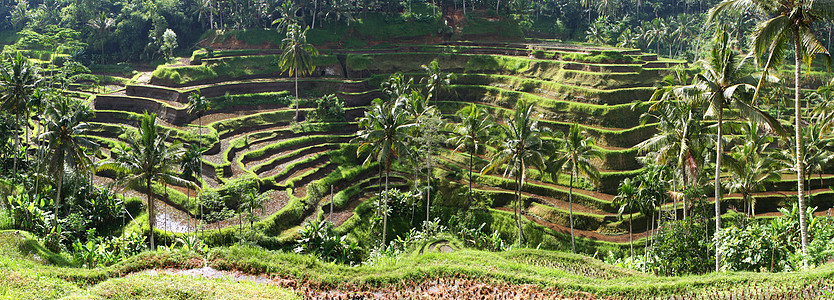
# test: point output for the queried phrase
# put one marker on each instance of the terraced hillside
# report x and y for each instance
(249, 131)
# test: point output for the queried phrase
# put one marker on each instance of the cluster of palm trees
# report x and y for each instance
(390, 131)
(61, 139)
(726, 89)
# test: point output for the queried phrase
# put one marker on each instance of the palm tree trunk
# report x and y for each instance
(517, 209)
(570, 205)
(800, 169)
(428, 189)
(385, 208)
(718, 153)
(16, 141)
(631, 232)
(60, 176)
(151, 212)
(296, 95)
(470, 176)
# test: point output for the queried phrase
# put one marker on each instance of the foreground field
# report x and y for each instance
(31, 272)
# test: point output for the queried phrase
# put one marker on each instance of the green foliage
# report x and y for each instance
(682, 247)
(30, 212)
(328, 109)
(319, 238)
(105, 251)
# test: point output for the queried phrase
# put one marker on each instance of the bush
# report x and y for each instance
(328, 109)
(106, 250)
(684, 247)
(320, 239)
(30, 213)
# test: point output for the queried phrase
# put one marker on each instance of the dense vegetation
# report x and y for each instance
(537, 149)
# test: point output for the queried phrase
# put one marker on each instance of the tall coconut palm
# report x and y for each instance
(627, 201)
(18, 82)
(522, 147)
(297, 57)
(720, 87)
(65, 130)
(383, 138)
(471, 133)
(148, 160)
(575, 157)
(790, 23)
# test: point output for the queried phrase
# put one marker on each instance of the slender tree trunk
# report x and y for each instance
(470, 176)
(570, 205)
(385, 208)
(718, 153)
(60, 176)
(428, 189)
(631, 232)
(16, 141)
(151, 212)
(315, 12)
(297, 102)
(800, 168)
(518, 206)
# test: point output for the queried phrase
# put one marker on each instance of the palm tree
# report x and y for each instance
(680, 139)
(791, 23)
(65, 130)
(472, 132)
(424, 134)
(751, 166)
(435, 80)
(627, 200)
(101, 23)
(718, 88)
(384, 138)
(197, 104)
(148, 160)
(522, 146)
(297, 57)
(192, 166)
(651, 195)
(575, 158)
(18, 81)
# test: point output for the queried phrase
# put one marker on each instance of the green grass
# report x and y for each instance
(226, 68)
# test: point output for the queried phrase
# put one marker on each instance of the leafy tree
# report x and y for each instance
(65, 131)
(652, 193)
(383, 138)
(146, 160)
(18, 82)
(169, 43)
(575, 157)
(471, 133)
(297, 57)
(522, 146)
(790, 23)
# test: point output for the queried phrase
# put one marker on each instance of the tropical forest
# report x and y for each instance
(416, 149)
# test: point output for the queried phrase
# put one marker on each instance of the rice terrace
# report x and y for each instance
(444, 149)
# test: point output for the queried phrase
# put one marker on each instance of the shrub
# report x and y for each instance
(106, 250)
(684, 248)
(328, 108)
(320, 239)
